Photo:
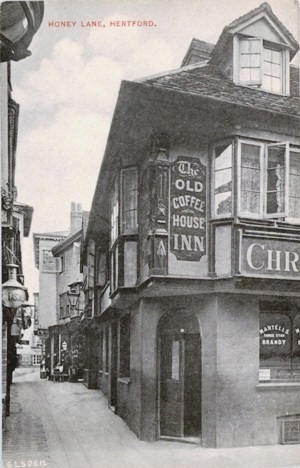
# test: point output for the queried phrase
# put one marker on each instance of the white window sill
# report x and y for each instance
(277, 385)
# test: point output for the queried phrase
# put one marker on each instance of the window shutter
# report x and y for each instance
(250, 61)
(276, 180)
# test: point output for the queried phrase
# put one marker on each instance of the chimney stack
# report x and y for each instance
(76, 217)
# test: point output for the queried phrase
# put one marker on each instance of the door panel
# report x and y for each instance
(192, 387)
(171, 385)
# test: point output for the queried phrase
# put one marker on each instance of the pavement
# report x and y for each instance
(65, 425)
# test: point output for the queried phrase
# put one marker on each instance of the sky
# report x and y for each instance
(68, 88)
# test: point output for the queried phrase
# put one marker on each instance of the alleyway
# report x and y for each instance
(64, 425)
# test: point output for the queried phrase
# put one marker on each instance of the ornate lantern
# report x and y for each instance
(13, 292)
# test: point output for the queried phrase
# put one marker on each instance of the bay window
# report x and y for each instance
(123, 229)
(267, 183)
(129, 201)
(268, 180)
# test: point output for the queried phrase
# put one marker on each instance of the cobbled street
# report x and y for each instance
(64, 425)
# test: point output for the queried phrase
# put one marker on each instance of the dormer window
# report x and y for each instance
(262, 65)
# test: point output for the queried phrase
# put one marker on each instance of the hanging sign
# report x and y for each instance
(188, 209)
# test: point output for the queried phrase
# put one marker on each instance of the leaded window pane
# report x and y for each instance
(250, 178)
(276, 179)
(129, 220)
(294, 185)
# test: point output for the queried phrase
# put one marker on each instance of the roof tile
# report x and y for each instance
(208, 81)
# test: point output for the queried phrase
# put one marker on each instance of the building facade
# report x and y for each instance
(29, 346)
(64, 337)
(195, 225)
(19, 21)
(48, 266)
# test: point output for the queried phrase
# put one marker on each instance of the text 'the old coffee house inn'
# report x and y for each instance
(195, 234)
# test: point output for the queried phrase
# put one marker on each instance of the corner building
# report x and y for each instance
(196, 240)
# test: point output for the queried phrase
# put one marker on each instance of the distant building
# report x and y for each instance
(29, 346)
(48, 266)
(69, 297)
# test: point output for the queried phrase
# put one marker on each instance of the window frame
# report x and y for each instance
(117, 244)
(291, 219)
(239, 166)
(213, 178)
(282, 214)
(265, 44)
(122, 210)
(274, 47)
(260, 67)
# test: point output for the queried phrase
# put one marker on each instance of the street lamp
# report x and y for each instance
(13, 293)
(74, 294)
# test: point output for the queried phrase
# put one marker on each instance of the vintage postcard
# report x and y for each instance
(150, 187)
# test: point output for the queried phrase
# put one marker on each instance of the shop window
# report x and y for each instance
(262, 65)
(279, 335)
(125, 346)
(223, 180)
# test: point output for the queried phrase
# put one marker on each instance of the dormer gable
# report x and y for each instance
(255, 50)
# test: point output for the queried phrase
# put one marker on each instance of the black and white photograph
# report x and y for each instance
(150, 233)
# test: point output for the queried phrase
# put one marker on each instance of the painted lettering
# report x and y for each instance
(188, 243)
(249, 256)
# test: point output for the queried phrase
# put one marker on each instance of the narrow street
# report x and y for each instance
(64, 425)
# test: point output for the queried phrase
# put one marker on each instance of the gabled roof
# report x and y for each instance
(233, 27)
(65, 243)
(197, 51)
(207, 81)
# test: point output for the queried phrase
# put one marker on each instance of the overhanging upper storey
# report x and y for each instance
(255, 50)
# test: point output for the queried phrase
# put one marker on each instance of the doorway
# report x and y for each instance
(179, 382)
(113, 366)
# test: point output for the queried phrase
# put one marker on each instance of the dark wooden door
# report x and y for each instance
(171, 386)
(192, 386)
